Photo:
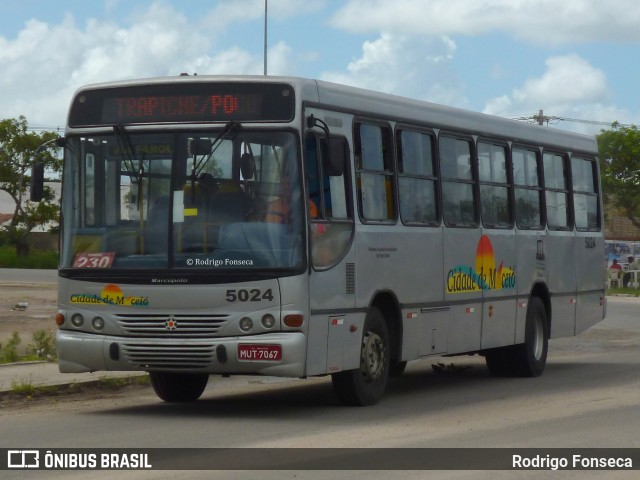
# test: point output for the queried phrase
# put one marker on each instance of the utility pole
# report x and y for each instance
(265, 37)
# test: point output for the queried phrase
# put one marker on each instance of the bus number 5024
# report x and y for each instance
(252, 295)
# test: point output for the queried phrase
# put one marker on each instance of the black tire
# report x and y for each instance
(366, 385)
(397, 368)
(527, 359)
(499, 361)
(178, 387)
(530, 357)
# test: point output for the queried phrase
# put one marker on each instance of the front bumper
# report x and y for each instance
(84, 352)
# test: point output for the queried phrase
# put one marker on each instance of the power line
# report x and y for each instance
(45, 128)
(542, 119)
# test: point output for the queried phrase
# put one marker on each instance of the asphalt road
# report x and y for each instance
(587, 397)
(20, 275)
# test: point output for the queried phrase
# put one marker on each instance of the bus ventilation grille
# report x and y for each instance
(168, 356)
(171, 326)
(351, 279)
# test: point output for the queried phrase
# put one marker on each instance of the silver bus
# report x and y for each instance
(293, 227)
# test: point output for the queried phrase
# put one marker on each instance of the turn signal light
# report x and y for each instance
(59, 319)
(294, 320)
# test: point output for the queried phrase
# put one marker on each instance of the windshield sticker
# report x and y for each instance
(94, 260)
(110, 295)
(485, 275)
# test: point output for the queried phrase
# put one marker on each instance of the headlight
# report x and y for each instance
(98, 323)
(268, 321)
(77, 320)
(246, 324)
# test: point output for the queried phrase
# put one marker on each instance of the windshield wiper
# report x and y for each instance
(126, 146)
(229, 131)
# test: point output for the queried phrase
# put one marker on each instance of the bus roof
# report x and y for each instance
(369, 103)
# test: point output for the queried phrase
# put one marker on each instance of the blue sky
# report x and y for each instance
(573, 58)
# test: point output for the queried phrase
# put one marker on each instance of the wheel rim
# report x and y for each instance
(373, 356)
(538, 338)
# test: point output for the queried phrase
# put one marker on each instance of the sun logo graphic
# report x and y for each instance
(484, 275)
(112, 295)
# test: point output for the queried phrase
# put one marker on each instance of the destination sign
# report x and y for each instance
(183, 103)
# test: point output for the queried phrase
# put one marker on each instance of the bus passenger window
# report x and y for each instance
(528, 191)
(585, 196)
(556, 191)
(494, 187)
(374, 172)
(458, 196)
(416, 178)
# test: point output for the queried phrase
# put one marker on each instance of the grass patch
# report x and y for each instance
(26, 390)
(42, 348)
(632, 292)
(36, 259)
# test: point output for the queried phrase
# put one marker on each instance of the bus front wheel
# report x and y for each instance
(366, 385)
(178, 387)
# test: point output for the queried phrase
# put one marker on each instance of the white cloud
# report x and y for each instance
(536, 21)
(228, 12)
(407, 65)
(570, 87)
(44, 64)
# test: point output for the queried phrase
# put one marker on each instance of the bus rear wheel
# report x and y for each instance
(366, 385)
(527, 359)
(530, 357)
(178, 387)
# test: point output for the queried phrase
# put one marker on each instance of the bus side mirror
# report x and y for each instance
(36, 189)
(334, 162)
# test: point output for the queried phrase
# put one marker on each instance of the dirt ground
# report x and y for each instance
(26, 308)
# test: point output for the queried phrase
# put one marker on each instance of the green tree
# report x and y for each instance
(620, 167)
(17, 149)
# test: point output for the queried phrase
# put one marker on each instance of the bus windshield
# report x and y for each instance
(210, 201)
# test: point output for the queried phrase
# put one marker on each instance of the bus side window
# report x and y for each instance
(374, 172)
(416, 178)
(494, 187)
(556, 191)
(528, 188)
(585, 195)
(458, 192)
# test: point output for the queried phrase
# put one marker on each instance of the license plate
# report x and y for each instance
(250, 352)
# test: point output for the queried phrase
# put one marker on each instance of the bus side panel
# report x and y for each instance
(424, 332)
(559, 254)
(332, 302)
(590, 310)
(589, 253)
(421, 292)
(531, 268)
(500, 274)
(407, 262)
(462, 291)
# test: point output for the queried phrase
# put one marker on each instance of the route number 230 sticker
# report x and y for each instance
(251, 295)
